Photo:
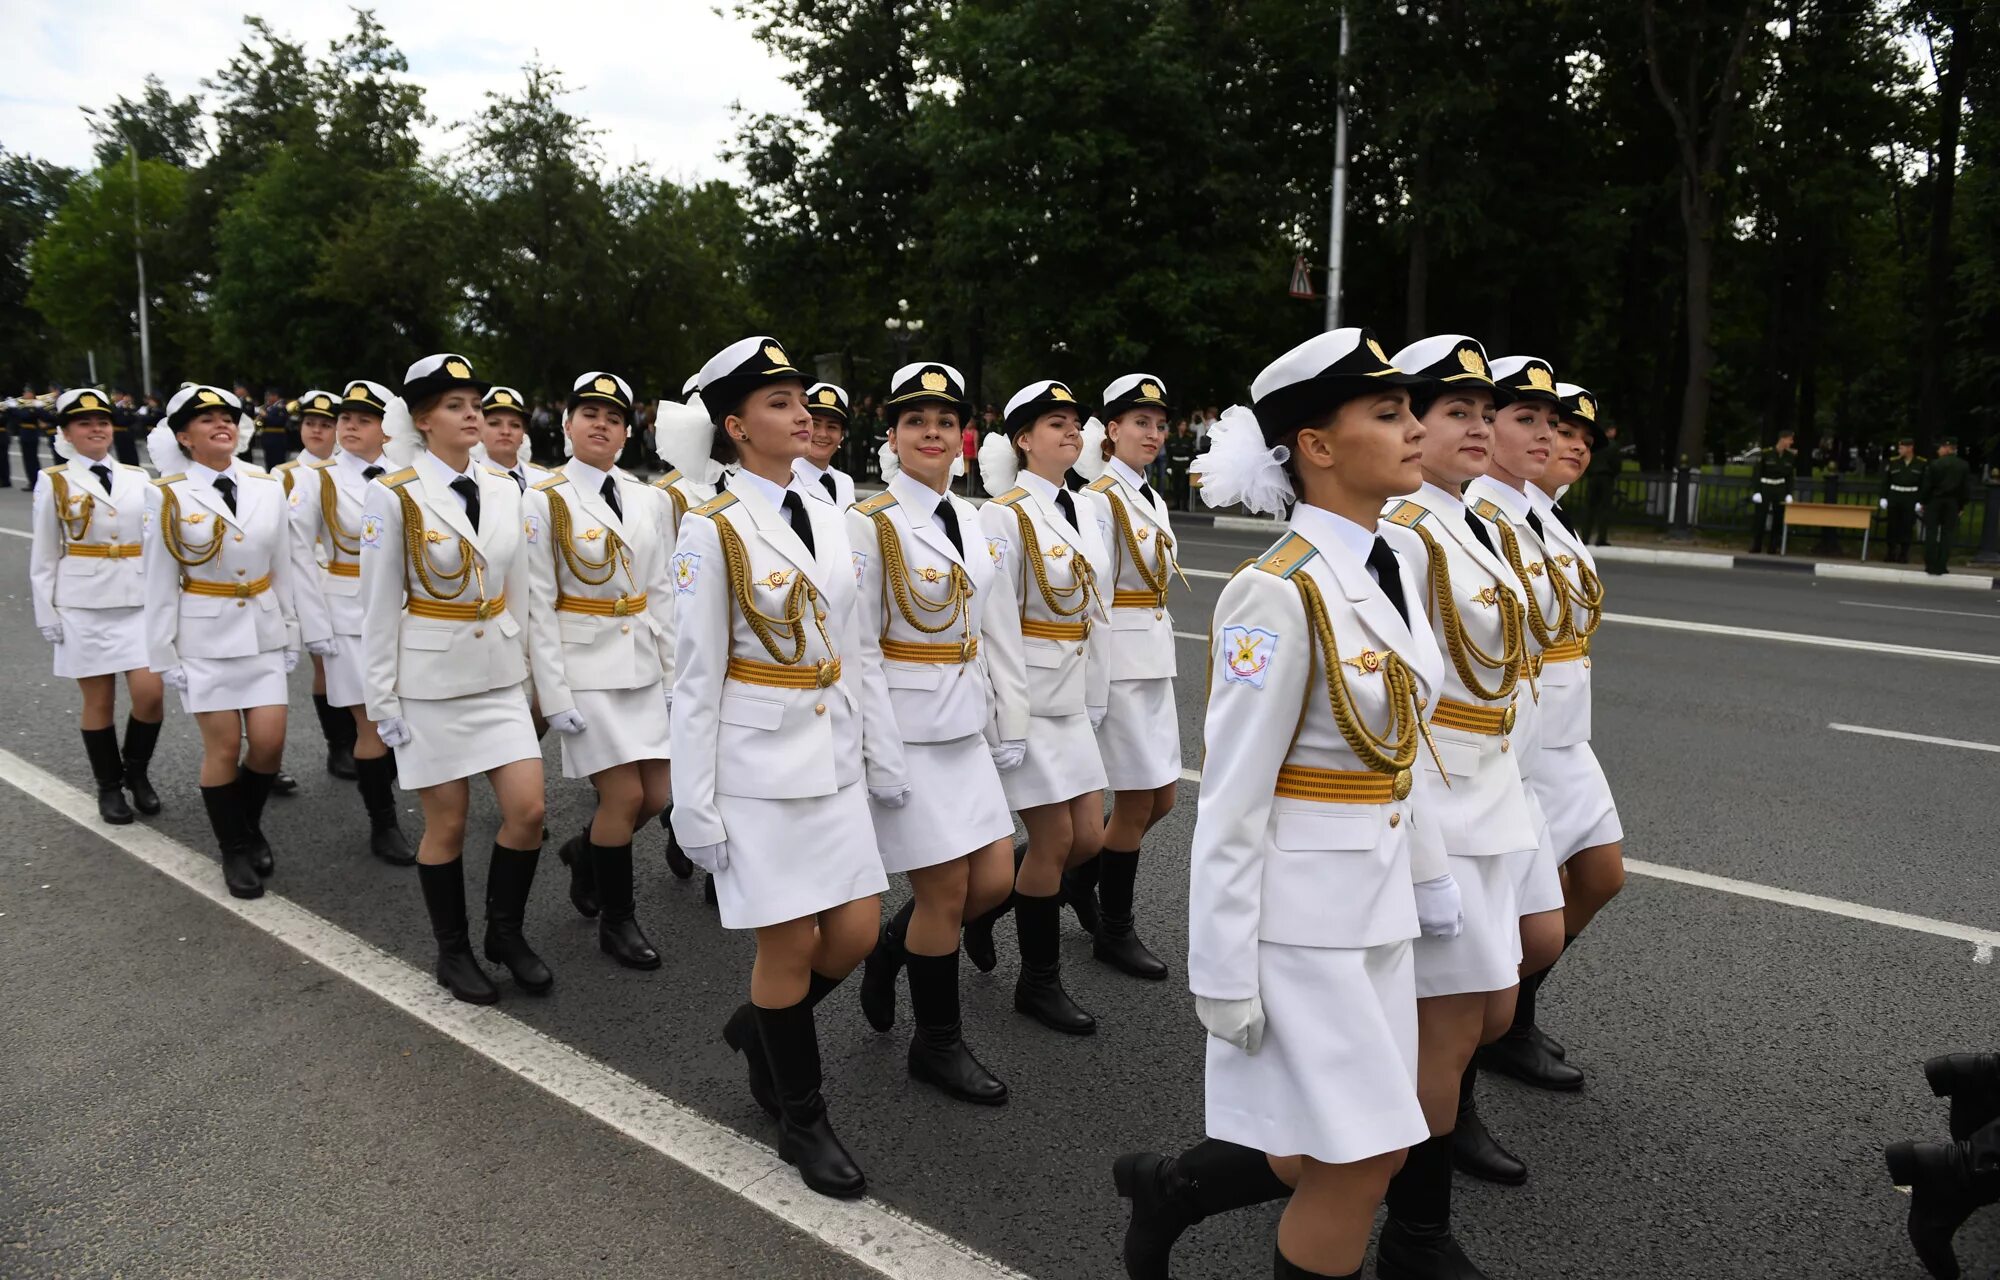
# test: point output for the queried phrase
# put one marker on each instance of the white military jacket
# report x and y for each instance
(443, 605)
(88, 550)
(1303, 872)
(842, 496)
(1484, 811)
(1138, 538)
(1558, 675)
(1573, 560)
(1062, 625)
(238, 601)
(601, 586)
(804, 721)
(326, 500)
(962, 670)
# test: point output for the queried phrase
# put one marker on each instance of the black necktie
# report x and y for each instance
(369, 472)
(227, 488)
(521, 481)
(826, 480)
(609, 492)
(1479, 531)
(103, 474)
(949, 519)
(1535, 523)
(1562, 517)
(1068, 505)
(795, 507)
(468, 488)
(1146, 491)
(1383, 561)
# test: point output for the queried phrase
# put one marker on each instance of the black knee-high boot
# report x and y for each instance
(618, 933)
(741, 1035)
(1283, 1268)
(232, 839)
(1473, 1148)
(575, 854)
(938, 1055)
(101, 745)
(509, 877)
(1169, 1194)
(1947, 1182)
(677, 862)
(806, 1140)
(1039, 990)
(141, 736)
(377, 783)
(1519, 1054)
(878, 974)
(444, 897)
(1079, 890)
(1416, 1242)
(1972, 1082)
(256, 789)
(978, 932)
(1117, 942)
(336, 725)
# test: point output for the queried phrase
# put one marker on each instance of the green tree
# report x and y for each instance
(31, 191)
(162, 126)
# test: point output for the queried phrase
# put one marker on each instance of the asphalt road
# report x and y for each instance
(218, 1106)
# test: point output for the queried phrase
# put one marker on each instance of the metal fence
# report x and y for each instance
(1721, 504)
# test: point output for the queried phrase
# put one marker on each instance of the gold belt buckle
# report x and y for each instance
(1507, 719)
(825, 675)
(484, 611)
(1400, 788)
(242, 590)
(965, 649)
(621, 608)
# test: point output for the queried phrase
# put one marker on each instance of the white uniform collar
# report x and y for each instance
(585, 477)
(441, 473)
(805, 470)
(81, 463)
(1441, 499)
(1132, 479)
(1544, 503)
(307, 457)
(1039, 487)
(914, 495)
(1328, 531)
(357, 464)
(197, 471)
(1509, 499)
(771, 493)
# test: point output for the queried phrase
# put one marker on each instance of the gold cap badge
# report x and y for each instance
(933, 380)
(1586, 408)
(605, 385)
(207, 397)
(502, 398)
(1469, 360)
(321, 402)
(1380, 354)
(1150, 390)
(826, 396)
(776, 355)
(88, 401)
(458, 369)
(1057, 391)
(1540, 378)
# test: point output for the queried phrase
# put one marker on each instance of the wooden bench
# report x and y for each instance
(1829, 515)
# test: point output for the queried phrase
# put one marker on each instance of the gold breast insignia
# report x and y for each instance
(1489, 596)
(1058, 551)
(776, 578)
(1367, 662)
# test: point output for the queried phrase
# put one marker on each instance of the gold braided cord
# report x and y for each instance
(1538, 626)
(419, 556)
(581, 567)
(1155, 576)
(74, 526)
(170, 534)
(1082, 587)
(787, 628)
(1589, 595)
(1463, 651)
(896, 584)
(1392, 751)
(329, 510)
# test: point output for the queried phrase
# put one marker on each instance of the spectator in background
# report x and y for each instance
(969, 438)
(1179, 453)
(1600, 486)
(274, 430)
(1946, 488)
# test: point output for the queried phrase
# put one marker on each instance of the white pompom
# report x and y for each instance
(1239, 468)
(480, 456)
(64, 449)
(401, 439)
(957, 465)
(997, 464)
(1090, 462)
(246, 426)
(891, 464)
(527, 453)
(164, 450)
(683, 436)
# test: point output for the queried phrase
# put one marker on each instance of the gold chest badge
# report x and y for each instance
(1367, 662)
(775, 579)
(1489, 596)
(1058, 551)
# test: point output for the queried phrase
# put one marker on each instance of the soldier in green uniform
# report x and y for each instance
(1600, 484)
(1946, 487)
(1776, 471)
(1902, 485)
(1180, 456)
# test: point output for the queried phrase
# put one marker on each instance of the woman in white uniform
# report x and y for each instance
(220, 626)
(444, 602)
(1523, 444)
(503, 441)
(326, 504)
(1046, 544)
(598, 563)
(1308, 843)
(317, 412)
(1140, 736)
(1465, 984)
(938, 619)
(86, 572)
(783, 738)
(829, 406)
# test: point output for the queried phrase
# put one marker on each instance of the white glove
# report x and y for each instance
(291, 661)
(1757, 498)
(1008, 756)
(1097, 715)
(712, 858)
(890, 797)
(53, 633)
(175, 678)
(1788, 499)
(327, 648)
(1440, 913)
(1884, 504)
(1237, 1022)
(394, 732)
(567, 723)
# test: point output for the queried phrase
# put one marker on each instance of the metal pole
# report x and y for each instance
(139, 259)
(1336, 241)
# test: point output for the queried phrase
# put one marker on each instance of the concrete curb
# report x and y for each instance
(1816, 568)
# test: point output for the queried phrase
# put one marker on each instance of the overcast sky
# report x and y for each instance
(660, 77)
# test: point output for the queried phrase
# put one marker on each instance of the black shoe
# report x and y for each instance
(1162, 1211)
(1516, 1054)
(575, 854)
(938, 1055)
(376, 780)
(284, 784)
(1408, 1251)
(1476, 1154)
(740, 1034)
(1117, 944)
(708, 891)
(101, 745)
(509, 877)
(336, 725)
(140, 736)
(805, 1140)
(1945, 1187)
(255, 788)
(1550, 1045)
(444, 898)
(1079, 893)
(978, 937)
(225, 817)
(1039, 990)
(1972, 1082)
(618, 933)
(340, 761)
(878, 972)
(677, 862)
(391, 845)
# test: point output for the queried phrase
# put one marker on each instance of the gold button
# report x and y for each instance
(241, 603)
(1158, 614)
(1395, 819)
(1422, 702)
(1506, 745)
(239, 537)
(478, 632)
(625, 628)
(1586, 662)
(819, 708)
(241, 572)
(820, 615)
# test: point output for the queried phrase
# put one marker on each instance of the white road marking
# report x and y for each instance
(18, 533)
(1983, 940)
(1915, 737)
(870, 1233)
(1910, 608)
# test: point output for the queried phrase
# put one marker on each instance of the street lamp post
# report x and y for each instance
(1336, 240)
(903, 330)
(139, 262)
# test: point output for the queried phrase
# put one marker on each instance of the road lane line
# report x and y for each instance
(1982, 940)
(18, 533)
(870, 1233)
(1910, 608)
(1915, 737)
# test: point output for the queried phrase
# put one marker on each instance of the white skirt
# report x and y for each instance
(624, 725)
(1062, 763)
(235, 684)
(100, 642)
(1574, 793)
(956, 805)
(1486, 954)
(1537, 886)
(1336, 1076)
(1140, 739)
(453, 738)
(344, 684)
(789, 859)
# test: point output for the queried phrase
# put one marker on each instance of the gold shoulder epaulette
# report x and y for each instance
(1406, 513)
(314, 466)
(667, 481)
(400, 478)
(499, 471)
(1284, 559)
(1490, 510)
(715, 506)
(164, 481)
(1012, 496)
(549, 483)
(131, 466)
(288, 464)
(1103, 483)
(255, 473)
(539, 467)
(880, 502)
